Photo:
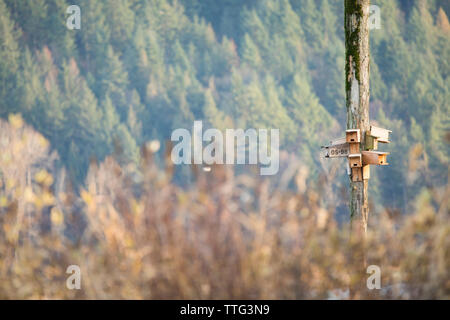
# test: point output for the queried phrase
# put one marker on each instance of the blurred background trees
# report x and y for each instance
(139, 69)
(136, 235)
(79, 184)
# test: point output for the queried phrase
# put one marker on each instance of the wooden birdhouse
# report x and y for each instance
(371, 142)
(355, 160)
(381, 134)
(353, 135)
(359, 160)
(374, 157)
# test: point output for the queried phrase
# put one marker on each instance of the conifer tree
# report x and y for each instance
(9, 61)
(120, 23)
(95, 36)
(113, 82)
(82, 122)
(250, 53)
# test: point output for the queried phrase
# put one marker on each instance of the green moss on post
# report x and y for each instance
(352, 9)
(371, 142)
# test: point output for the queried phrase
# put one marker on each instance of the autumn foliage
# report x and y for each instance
(136, 235)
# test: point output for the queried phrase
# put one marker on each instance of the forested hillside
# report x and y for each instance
(136, 70)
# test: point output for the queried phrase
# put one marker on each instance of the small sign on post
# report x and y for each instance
(336, 151)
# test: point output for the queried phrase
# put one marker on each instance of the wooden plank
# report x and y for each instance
(383, 140)
(354, 147)
(337, 141)
(366, 172)
(380, 133)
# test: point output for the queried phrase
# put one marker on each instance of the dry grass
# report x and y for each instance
(136, 235)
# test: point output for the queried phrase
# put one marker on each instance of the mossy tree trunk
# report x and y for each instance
(357, 96)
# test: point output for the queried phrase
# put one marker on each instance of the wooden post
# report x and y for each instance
(357, 97)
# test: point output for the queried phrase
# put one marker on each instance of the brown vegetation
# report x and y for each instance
(142, 237)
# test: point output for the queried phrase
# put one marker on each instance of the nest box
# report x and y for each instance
(355, 160)
(374, 157)
(353, 135)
